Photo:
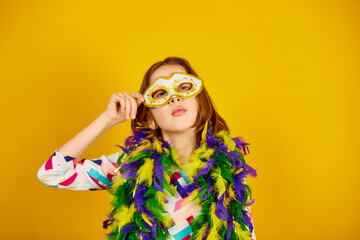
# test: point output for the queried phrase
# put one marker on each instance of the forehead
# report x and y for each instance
(166, 71)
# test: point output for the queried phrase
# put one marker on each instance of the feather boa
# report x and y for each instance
(216, 171)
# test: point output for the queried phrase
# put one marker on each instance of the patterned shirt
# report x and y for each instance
(64, 171)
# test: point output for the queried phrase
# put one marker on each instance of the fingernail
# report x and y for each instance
(133, 116)
(127, 116)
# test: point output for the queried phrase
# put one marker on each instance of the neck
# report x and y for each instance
(184, 143)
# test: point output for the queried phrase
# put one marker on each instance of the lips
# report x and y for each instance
(178, 111)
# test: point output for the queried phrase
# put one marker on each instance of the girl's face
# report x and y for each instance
(179, 114)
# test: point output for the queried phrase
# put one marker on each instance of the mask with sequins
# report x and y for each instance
(182, 85)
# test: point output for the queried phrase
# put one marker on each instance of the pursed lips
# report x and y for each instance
(178, 110)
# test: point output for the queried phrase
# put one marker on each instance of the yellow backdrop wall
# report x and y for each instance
(284, 74)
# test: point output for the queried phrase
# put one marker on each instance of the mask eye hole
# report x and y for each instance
(159, 94)
(184, 87)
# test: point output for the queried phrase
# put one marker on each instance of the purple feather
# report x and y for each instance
(140, 197)
(239, 188)
(132, 165)
(210, 139)
(127, 228)
(241, 144)
(228, 233)
(221, 211)
(247, 219)
(223, 148)
(251, 171)
(206, 169)
(250, 203)
(155, 223)
(130, 174)
(156, 185)
(106, 223)
(165, 144)
(207, 230)
(190, 188)
(126, 150)
(159, 169)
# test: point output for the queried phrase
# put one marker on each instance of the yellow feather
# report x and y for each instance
(201, 232)
(124, 216)
(216, 223)
(207, 153)
(146, 171)
(166, 177)
(157, 145)
(168, 222)
(239, 170)
(213, 235)
(141, 146)
(190, 198)
(227, 140)
(220, 183)
(242, 235)
(175, 156)
(161, 198)
(231, 192)
(195, 162)
(203, 134)
(120, 181)
(146, 219)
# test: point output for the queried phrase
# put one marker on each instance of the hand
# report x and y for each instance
(123, 106)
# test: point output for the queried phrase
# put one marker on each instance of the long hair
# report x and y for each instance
(206, 110)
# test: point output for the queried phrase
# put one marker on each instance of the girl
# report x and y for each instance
(179, 176)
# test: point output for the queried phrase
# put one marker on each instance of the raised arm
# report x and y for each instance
(122, 106)
(63, 170)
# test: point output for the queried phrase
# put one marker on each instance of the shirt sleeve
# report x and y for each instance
(64, 171)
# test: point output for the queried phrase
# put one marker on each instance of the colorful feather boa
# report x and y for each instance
(216, 171)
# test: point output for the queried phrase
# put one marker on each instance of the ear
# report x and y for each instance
(150, 120)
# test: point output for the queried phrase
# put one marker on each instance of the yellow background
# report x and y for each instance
(284, 74)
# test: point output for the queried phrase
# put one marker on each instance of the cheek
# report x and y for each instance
(158, 113)
(194, 105)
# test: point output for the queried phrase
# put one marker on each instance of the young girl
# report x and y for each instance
(179, 176)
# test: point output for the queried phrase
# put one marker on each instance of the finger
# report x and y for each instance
(137, 95)
(113, 103)
(121, 99)
(128, 107)
(139, 98)
(116, 103)
(133, 105)
(133, 108)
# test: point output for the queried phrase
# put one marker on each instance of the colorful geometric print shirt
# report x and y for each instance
(64, 171)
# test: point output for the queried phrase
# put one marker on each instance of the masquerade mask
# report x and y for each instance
(182, 85)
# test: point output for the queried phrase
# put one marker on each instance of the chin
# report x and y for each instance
(179, 128)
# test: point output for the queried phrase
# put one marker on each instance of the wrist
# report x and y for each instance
(108, 123)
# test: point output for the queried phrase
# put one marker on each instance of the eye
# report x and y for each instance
(159, 94)
(184, 87)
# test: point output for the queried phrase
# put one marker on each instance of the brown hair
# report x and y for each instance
(206, 111)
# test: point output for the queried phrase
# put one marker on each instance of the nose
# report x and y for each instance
(174, 99)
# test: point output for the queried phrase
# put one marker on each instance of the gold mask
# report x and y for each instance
(182, 85)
